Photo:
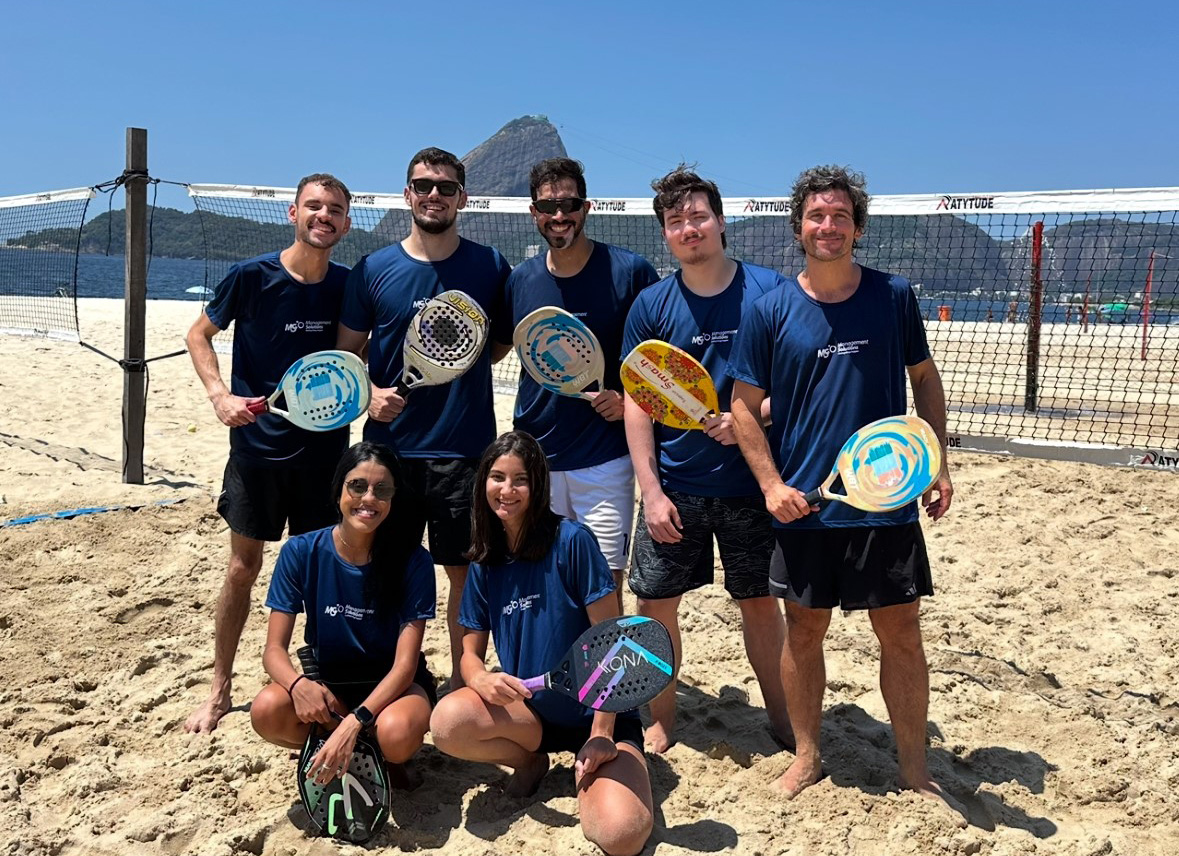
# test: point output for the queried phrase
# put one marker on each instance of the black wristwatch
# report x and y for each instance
(363, 716)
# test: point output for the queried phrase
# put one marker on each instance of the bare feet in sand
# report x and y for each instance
(525, 780)
(658, 738)
(955, 811)
(205, 718)
(799, 776)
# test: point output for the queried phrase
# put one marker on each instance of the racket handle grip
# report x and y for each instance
(307, 660)
(813, 497)
(258, 406)
(534, 684)
(401, 389)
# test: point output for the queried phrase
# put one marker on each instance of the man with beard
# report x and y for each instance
(285, 305)
(592, 477)
(833, 348)
(694, 484)
(442, 430)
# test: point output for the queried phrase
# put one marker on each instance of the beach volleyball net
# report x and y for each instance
(38, 287)
(1053, 317)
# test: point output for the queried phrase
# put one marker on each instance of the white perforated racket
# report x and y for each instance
(443, 341)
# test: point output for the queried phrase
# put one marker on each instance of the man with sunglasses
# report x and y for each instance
(283, 305)
(592, 477)
(442, 430)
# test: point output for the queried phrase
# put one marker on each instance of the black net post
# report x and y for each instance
(135, 307)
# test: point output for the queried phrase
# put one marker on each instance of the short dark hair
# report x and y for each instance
(673, 190)
(327, 180)
(489, 542)
(432, 156)
(823, 179)
(556, 169)
(393, 544)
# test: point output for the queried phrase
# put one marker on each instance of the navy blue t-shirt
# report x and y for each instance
(705, 327)
(536, 610)
(351, 641)
(569, 430)
(829, 369)
(278, 321)
(384, 292)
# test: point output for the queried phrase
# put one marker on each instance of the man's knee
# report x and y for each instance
(245, 562)
(805, 626)
(898, 627)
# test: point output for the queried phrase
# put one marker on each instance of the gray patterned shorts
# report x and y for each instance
(744, 534)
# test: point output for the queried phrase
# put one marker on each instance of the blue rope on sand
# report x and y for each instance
(78, 512)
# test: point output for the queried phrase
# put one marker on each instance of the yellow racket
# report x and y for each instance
(669, 384)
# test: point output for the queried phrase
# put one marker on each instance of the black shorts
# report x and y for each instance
(744, 534)
(436, 492)
(628, 728)
(353, 693)
(257, 501)
(861, 567)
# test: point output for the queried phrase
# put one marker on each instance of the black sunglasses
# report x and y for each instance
(566, 206)
(424, 186)
(359, 487)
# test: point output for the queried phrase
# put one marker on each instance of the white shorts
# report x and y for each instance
(603, 498)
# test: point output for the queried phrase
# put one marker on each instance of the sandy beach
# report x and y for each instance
(1054, 712)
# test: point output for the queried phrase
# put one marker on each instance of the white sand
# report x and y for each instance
(1054, 711)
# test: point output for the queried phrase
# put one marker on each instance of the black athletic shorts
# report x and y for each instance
(257, 501)
(436, 492)
(744, 534)
(353, 694)
(628, 728)
(861, 567)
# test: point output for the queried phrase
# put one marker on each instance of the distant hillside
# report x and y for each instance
(942, 255)
(499, 166)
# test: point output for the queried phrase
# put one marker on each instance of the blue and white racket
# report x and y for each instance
(559, 352)
(885, 465)
(324, 390)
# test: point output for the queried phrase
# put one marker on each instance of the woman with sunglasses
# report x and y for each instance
(536, 581)
(367, 587)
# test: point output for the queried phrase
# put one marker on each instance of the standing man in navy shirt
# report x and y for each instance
(695, 484)
(285, 305)
(592, 477)
(832, 349)
(440, 431)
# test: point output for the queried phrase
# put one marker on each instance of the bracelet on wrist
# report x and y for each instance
(291, 688)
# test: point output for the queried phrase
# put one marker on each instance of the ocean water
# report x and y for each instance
(39, 272)
(42, 273)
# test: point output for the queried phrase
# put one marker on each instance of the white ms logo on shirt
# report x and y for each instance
(524, 602)
(841, 348)
(309, 326)
(717, 336)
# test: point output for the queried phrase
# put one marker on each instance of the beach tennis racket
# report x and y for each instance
(559, 352)
(355, 806)
(443, 341)
(885, 465)
(615, 665)
(669, 384)
(323, 391)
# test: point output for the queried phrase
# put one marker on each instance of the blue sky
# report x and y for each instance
(922, 97)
